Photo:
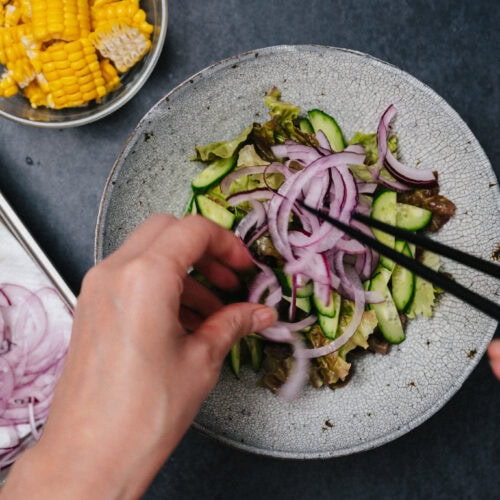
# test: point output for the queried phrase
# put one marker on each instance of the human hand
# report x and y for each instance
(134, 379)
(494, 355)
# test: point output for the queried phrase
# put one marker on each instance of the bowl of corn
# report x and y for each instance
(65, 63)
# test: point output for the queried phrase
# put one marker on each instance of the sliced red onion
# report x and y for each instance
(316, 250)
(296, 152)
(323, 141)
(244, 196)
(349, 331)
(38, 326)
(299, 375)
(256, 217)
(422, 177)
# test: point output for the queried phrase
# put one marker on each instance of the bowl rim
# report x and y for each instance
(114, 106)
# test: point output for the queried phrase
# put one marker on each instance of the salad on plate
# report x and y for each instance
(334, 295)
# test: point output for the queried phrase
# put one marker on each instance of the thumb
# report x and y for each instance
(223, 328)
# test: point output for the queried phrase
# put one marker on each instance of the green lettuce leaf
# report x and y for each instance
(222, 149)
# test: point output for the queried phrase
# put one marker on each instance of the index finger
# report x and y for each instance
(188, 240)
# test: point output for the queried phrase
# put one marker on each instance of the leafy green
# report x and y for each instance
(283, 125)
(369, 143)
(222, 149)
(279, 110)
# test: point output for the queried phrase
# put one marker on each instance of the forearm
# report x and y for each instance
(70, 469)
(44, 474)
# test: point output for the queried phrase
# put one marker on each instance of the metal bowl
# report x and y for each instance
(18, 108)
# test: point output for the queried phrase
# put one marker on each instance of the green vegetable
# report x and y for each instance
(387, 314)
(402, 279)
(224, 149)
(322, 121)
(425, 293)
(214, 211)
(384, 210)
(213, 173)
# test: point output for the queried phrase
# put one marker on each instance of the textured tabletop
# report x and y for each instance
(55, 178)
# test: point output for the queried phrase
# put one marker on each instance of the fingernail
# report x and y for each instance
(263, 317)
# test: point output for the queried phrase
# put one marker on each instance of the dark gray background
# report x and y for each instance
(55, 178)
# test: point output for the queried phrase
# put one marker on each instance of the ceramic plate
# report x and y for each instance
(389, 395)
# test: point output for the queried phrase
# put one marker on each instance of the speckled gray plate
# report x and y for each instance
(389, 395)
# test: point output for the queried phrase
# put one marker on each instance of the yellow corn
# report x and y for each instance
(65, 53)
(17, 51)
(122, 44)
(124, 12)
(67, 85)
(12, 14)
(8, 86)
(66, 20)
(37, 97)
(110, 75)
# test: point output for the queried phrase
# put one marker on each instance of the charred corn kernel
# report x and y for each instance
(122, 44)
(66, 20)
(8, 86)
(69, 87)
(124, 12)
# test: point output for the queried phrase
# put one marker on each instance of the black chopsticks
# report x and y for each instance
(481, 303)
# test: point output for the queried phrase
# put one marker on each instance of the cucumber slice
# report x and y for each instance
(213, 173)
(322, 121)
(384, 210)
(191, 208)
(255, 349)
(305, 290)
(329, 325)
(235, 357)
(305, 126)
(402, 281)
(387, 314)
(215, 212)
(302, 303)
(412, 218)
(332, 309)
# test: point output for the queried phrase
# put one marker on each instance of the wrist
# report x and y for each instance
(44, 473)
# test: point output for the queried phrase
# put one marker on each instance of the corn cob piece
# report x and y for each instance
(123, 12)
(12, 14)
(49, 51)
(8, 86)
(110, 75)
(37, 97)
(71, 74)
(124, 45)
(66, 20)
(18, 51)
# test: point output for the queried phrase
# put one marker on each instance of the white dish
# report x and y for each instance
(388, 395)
